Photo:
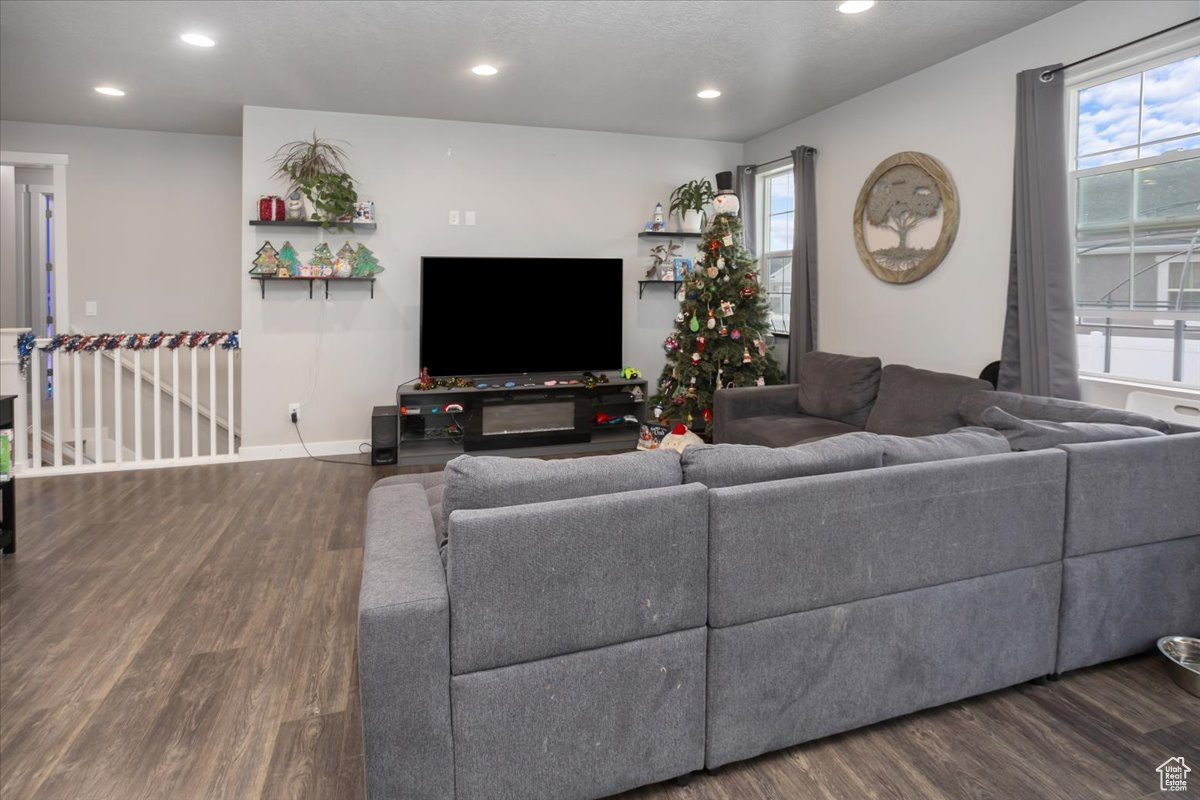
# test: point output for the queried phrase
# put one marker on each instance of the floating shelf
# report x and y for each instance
(262, 282)
(643, 284)
(669, 235)
(312, 223)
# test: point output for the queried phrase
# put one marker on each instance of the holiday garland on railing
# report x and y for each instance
(90, 343)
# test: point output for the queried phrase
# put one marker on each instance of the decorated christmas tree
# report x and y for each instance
(344, 265)
(322, 261)
(365, 263)
(288, 259)
(721, 331)
(266, 261)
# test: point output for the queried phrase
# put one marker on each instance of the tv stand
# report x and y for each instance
(527, 419)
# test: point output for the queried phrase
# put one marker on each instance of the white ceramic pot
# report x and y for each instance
(690, 221)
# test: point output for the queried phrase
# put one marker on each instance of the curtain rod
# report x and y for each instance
(772, 161)
(1045, 76)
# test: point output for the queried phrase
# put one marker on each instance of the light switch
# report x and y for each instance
(470, 217)
(89, 308)
(454, 217)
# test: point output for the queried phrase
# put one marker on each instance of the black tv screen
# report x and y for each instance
(511, 316)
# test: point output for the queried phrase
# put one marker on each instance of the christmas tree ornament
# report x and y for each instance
(694, 325)
(725, 279)
(750, 276)
(691, 392)
(723, 331)
(727, 241)
(762, 346)
(746, 359)
(712, 272)
(726, 202)
(720, 262)
(695, 360)
(679, 317)
(670, 344)
(658, 411)
(726, 308)
(747, 292)
(761, 381)
(735, 335)
(712, 321)
(701, 343)
(707, 414)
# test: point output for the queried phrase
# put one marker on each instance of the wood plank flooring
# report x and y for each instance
(189, 633)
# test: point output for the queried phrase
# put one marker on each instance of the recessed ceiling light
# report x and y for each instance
(111, 91)
(855, 6)
(197, 40)
(708, 94)
(484, 69)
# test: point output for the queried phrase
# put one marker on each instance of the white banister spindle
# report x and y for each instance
(157, 408)
(137, 405)
(229, 407)
(98, 406)
(77, 402)
(118, 410)
(36, 391)
(212, 401)
(195, 406)
(56, 408)
(176, 391)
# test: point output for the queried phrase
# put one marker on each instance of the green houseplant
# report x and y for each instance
(689, 201)
(317, 168)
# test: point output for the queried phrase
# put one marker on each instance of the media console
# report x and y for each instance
(528, 418)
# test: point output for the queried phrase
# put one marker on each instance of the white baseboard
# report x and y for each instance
(273, 451)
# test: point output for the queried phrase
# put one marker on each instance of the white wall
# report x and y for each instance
(961, 111)
(8, 248)
(536, 191)
(154, 237)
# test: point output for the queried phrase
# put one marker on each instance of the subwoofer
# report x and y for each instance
(384, 435)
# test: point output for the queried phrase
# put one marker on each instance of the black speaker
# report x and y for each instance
(384, 432)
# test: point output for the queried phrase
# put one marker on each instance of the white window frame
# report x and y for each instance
(1130, 61)
(764, 238)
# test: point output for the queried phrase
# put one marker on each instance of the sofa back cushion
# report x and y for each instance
(918, 402)
(496, 481)
(838, 387)
(1051, 409)
(958, 443)
(1035, 434)
(716, 465)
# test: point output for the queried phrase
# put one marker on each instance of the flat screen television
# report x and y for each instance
(514, 316)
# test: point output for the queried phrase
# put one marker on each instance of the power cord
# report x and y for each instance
(296, 425)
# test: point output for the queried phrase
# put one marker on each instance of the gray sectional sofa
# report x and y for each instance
(573, 629)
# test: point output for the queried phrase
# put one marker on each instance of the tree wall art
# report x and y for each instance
(906, 217)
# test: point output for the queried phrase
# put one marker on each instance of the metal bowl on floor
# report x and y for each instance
(1183, 661)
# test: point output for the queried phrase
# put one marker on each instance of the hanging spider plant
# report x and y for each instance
(317, 168)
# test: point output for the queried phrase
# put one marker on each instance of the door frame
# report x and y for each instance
(58, 164)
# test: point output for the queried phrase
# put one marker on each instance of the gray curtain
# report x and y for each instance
(803, 327)
(744, 187)
(1039, 354)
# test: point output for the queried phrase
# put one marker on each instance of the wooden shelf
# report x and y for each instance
(262, 282)
(669, 235)
(643, 284)
(312, 223)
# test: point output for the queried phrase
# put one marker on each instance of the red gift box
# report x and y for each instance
(270, 208)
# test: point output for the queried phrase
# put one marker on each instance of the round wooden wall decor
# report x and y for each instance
(906, 217)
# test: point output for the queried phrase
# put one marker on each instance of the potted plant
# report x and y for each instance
(689, 201)
(317, 169)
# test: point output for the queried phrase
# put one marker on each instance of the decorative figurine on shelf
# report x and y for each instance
(630, 373)
(662, 254)
(424, 382)
(289, 263)
(365, 263)
(343, 266)
(322, 261)
(270, 208)
(364, 211)
(726, 202)
(659, 223)
(297, 211)
(266, 261)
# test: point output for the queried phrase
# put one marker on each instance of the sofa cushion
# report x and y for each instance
(422, 479)
(783, 430)
(1050, 409)
(838, 387)
(918, 402)
(496, 481)
(1034, 434)
(958, 443)
(434, 494)
(717, 465)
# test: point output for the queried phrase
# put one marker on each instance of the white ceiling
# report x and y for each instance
(633, 67)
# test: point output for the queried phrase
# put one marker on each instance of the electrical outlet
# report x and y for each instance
(454, 217)
(470, 218)
(294, 412)
(89, 308)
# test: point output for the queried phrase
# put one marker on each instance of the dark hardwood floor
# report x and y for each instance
(189, 633)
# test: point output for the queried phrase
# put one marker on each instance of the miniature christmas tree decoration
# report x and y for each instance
(322, 261)
(266, 261)
(343, 266)
(365, 263)
(289, 262)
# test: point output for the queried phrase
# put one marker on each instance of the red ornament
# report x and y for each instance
(747, 292)
(707, 414)
(714, 245)
(680, 429)
(701, 343)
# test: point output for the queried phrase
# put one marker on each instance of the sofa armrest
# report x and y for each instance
(752, 401)
(404, 650)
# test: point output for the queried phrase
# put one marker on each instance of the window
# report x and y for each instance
(775, 264)
(1135, 180)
